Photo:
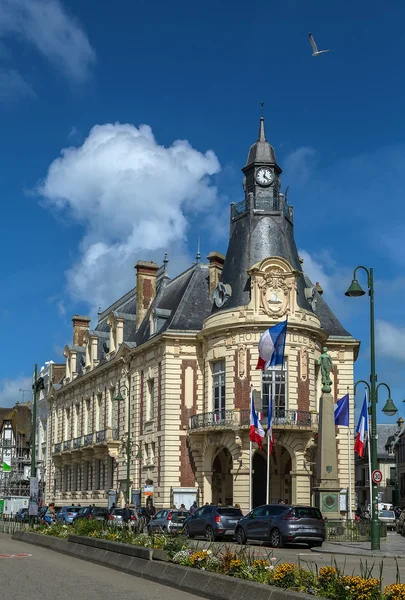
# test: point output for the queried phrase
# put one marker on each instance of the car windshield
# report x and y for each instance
(307, 512)
(230, 512)
(100, 511)
(84, 511)
(387, 514)
(72, 509)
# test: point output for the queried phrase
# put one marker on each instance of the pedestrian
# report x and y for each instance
(182, 506)
(112, 507)
(174, 507)
(149, 511)
(126, 515)
(193, 507)
(237, 506)
(281, 502)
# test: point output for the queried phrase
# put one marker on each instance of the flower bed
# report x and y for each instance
(327, 582)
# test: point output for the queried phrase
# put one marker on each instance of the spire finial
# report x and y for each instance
(262, 133)
(165, 261)
(198, 257)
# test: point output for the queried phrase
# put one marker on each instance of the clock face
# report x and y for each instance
(264, 176)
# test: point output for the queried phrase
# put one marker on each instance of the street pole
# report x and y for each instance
(34, 424)
(375, 524)
(389, 409)
(129, 440)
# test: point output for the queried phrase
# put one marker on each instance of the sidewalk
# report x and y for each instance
(393, 547)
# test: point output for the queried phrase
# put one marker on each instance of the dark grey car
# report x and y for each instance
(281, 524)
(213, 522)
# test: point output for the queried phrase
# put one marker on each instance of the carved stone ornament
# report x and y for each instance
(242, 361)
(275, 293)
(303, 364)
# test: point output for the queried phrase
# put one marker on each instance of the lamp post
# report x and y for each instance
(354, 291)
(119, 398)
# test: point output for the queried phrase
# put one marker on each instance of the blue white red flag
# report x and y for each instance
(256, 433)
(361, 429)
(342, 412)
(271, 346)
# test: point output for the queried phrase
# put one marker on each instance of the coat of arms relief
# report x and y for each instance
(273, 287)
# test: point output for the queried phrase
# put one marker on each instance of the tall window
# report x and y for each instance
(98, 413)
(218, 388)
(150, 399)
(67, 424)
(87, 422)
(109, 408)
(274, 389)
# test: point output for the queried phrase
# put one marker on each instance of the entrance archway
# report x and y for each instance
(259, 466)
(280, 476)
(222, 478)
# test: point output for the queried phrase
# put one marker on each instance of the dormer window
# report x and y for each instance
(158, 318)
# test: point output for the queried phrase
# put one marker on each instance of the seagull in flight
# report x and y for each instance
(315, 52)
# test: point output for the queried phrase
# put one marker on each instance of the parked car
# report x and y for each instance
(67, 514)
(281, 523)
(168, 520)
(212, 522)
(388, 517)
(400, 525)
(115, 517)
(92, 512)
(22, 515)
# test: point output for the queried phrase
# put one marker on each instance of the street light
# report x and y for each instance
(119, 398)
(355, 290)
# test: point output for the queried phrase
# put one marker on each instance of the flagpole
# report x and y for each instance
(250, 456)
(349, 446)
(369, 469)
(268, 470)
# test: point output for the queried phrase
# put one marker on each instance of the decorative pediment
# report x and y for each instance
(273, 287)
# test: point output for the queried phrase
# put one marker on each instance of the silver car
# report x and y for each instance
(281, 524)
(388, 517)
(168, 520)
(115, 518)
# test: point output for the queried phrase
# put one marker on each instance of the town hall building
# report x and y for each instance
(182, 354)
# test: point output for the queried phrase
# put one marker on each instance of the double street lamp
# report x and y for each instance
(119, 398)
(354, 291)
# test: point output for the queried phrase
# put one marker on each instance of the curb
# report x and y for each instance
(213, 586)
(365, 553)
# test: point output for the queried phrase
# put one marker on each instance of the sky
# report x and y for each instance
(123, 131)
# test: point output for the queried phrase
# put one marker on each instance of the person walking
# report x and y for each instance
(112, 507)
(193, 507)
(150, 510)
(126, 515)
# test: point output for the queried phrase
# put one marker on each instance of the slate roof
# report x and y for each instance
(385, 434)
(329, 321)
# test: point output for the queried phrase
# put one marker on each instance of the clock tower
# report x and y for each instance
(262, 173)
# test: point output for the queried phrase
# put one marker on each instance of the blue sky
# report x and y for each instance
(71, 71)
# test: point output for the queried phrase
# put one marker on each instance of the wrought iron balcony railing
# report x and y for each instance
(67, 445)
(57, 448)
(77, 442)
(101, 436)
(88, 439)
(241, 418)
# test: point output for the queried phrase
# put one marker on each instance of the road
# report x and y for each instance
(51, 576)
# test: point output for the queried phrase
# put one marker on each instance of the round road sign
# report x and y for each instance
(376, 476)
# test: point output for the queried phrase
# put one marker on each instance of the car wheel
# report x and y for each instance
(240, 536)
(275, 539)
(209, 534)
(186, 532)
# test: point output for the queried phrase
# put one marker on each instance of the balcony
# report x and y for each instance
(229, 419)
(88, 439)
(101, 436)
(57, 448)
(67, 445)
(77, 442)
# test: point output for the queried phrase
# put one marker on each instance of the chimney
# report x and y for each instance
(216, 261)
(145, 288)
(319, 288)
(80, 325)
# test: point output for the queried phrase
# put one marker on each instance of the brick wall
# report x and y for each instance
(141, 401)
(242, 386)
(303, 388)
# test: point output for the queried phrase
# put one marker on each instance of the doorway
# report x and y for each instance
(222, 478)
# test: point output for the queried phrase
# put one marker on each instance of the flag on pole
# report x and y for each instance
(271, 346)
(270, 426)
(342, 412)
(361, 429)
(256, 430)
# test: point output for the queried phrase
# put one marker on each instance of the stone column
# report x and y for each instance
(327, 491)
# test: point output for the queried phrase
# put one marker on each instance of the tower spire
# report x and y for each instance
(262, 132)
(198, 257)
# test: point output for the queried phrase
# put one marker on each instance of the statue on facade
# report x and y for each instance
(326, 364)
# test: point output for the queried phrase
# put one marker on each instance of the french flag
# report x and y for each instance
(361, 429)
(271, 346)
(256, 433)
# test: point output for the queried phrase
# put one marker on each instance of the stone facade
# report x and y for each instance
(183, 352)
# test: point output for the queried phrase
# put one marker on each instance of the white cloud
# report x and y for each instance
(300, 164)
(134, 197)
(390, 340)
(13, 86)
(10, 390)
(45, 25)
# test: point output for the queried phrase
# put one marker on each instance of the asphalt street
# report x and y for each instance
(51, 576)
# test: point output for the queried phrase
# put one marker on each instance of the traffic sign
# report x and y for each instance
(376, 476)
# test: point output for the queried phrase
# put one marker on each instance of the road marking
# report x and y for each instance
(14, 555)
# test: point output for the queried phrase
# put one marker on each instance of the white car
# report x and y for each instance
(388, 517)
(115, 518)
